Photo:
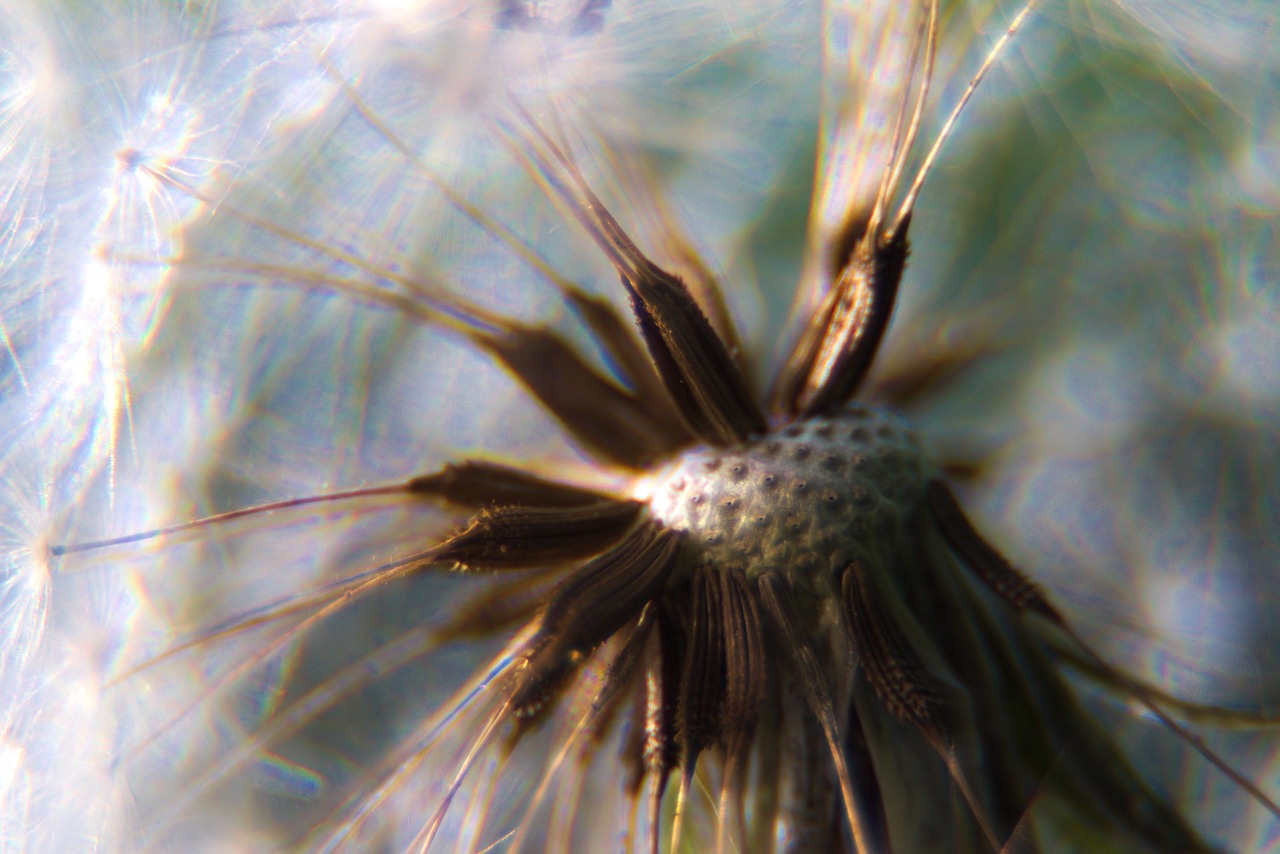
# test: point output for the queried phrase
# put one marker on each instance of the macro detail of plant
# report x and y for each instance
(410, 446)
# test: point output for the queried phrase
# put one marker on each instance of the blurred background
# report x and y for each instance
(185, 186)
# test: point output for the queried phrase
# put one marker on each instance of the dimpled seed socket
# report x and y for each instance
(812, 496)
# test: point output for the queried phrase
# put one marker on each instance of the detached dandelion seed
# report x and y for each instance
(452, 498)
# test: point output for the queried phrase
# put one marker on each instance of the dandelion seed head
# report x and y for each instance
(29, 85)
(208, 385)
(805, 501)
(56, 784)
(24, 579)
(140, 209)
